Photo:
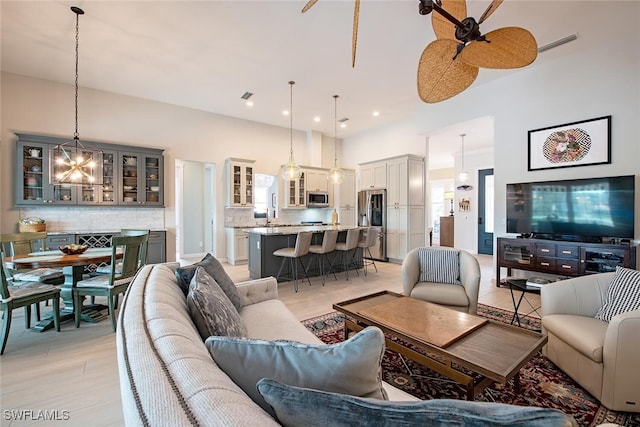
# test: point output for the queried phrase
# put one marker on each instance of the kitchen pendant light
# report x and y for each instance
(335, 173)
(463, 176)
(291, 171)
(71, 163)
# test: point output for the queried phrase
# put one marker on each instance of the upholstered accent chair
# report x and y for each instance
(444, 276)
(601, 356)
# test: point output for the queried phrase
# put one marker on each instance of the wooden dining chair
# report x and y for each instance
(23, 244)
(23, 294)
(115, 283)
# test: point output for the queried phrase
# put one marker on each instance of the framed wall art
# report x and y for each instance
(587, 142)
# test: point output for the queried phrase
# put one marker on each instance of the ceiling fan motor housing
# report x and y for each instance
(470, 30)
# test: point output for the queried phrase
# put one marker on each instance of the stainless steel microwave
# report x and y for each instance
(317, 199)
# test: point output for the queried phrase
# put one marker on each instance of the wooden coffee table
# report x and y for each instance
(449, 340)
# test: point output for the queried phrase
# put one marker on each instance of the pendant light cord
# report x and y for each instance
(335, 132)
(291, 83)
(78, 12)
(462, 135)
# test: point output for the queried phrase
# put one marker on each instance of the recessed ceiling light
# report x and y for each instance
(285, 112)
(343, 125)
(376, 113)
(249, 103)
(316, 119)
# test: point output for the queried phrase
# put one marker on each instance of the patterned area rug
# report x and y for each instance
(542, 383)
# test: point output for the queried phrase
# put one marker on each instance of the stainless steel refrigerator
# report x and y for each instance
(372, 212)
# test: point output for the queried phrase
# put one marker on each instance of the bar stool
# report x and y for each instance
(348, 249)
(322, 251)
(368, 242)
(303, 241)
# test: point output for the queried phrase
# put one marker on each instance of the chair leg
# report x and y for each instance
(77, 308)
(112, 311)
(6, 325)
(284, 259)
(294, 271)
(56, 312)
(303, 270)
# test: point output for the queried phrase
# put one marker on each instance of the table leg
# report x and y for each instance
(516, 305)
(90, 313)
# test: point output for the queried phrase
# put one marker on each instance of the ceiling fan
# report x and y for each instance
(450, 64)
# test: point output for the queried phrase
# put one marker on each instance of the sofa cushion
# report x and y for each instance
(349, 367)
(439, 265)
(441, 293)
(585, 334)
(215, 270)
(623, 294)
(211, 311)
(295, 406)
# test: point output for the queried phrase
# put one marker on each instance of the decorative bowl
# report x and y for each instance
(73, 249)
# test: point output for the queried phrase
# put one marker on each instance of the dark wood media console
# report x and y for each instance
(561, 257)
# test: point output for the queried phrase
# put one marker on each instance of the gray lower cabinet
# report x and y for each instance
(157, 247)
(54, 241)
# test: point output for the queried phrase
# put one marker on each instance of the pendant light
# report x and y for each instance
(335, 173)
(463, 176)
(291, 171)
(71, 163)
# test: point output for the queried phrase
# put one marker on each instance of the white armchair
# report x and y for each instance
(602, 357)
(463, 297)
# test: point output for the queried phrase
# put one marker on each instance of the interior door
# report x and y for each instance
(485, 211)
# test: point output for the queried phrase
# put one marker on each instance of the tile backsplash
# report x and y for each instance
(243, 217)
(96, 219)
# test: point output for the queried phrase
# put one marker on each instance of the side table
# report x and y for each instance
(520, 285)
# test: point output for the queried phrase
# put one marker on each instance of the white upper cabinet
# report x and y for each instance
(239, 174)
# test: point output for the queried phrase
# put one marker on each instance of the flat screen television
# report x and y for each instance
(578, 209)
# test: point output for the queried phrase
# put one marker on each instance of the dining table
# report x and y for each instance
(73, 268)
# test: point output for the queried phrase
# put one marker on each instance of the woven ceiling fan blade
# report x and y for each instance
(354, 39)
(492, 8)
(509, 47)
(309, 5)
(441, 77)
(442, 27)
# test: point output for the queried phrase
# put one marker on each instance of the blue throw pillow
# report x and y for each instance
(295, 406)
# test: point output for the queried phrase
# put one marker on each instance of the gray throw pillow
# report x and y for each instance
(439, 265)
(623, 294)
(211, 310)
(295, 406)
(215, 270)
(350, 367)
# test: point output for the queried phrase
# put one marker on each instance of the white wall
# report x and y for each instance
(603, 79)
(43, 107)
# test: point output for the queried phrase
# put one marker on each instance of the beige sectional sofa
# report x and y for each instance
(603, 357)
(167, 376)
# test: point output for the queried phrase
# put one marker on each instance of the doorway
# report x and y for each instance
(485, 211)
(195, 209)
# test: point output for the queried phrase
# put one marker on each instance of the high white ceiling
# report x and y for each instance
(206, 54)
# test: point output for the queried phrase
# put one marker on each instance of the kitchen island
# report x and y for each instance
(263, 241)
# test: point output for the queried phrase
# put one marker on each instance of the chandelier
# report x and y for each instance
(71, 163)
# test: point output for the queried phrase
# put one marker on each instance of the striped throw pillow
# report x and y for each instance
(623, 294)
(439, 265)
